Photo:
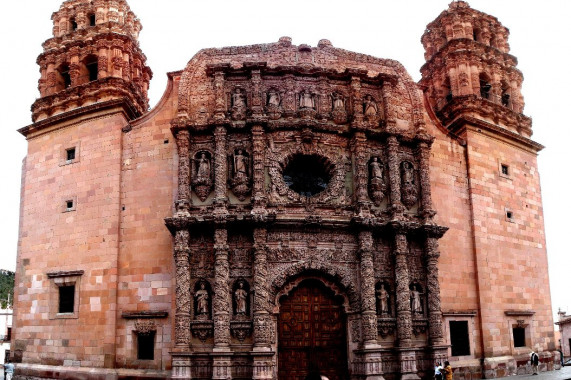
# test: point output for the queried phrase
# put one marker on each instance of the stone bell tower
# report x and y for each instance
(473, 90)
(92, 58)
(469, 72)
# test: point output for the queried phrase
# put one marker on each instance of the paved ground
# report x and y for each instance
(563, 374)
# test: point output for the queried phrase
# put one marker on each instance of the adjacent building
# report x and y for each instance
(282, 209)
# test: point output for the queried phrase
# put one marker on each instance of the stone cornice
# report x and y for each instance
(61, 120)
(145, 314)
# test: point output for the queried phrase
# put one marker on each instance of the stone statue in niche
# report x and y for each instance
(202, 178)
(240, 174)
(241, 299)
(273, 105)
(377, 182)
(202, 301)
(238, 104)
(306, 100)
(409, 188)
(307, 108)
(370, 109)
(273, 99)
(339, 114)
(415, 300)
(383, 299)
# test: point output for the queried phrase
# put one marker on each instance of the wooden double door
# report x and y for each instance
(312, 333)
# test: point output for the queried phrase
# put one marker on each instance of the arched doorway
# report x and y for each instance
(311, 333)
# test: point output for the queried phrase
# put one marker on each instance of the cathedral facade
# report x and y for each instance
(283, 210)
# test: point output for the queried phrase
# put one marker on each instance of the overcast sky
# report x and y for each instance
(175, 30)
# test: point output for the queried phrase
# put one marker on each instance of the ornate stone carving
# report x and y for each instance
(241, 329)
(307, 108)
(202, 301)
(145, 327)
(339, 113)
(386, 327)
(409, 186)
(202, 177)
(240, 178)
(273, 104)
(201, 329)
(377, 181)
(238, 110)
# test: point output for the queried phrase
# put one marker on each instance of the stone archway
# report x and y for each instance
(312, 333)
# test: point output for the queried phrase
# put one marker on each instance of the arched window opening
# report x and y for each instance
(64, 80)
(505, 94)
(92, 68)
(92, 19)
(485, 86)
(73, 24)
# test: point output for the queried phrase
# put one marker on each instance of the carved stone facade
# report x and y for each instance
(295, 171)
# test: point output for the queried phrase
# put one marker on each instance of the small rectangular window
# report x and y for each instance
(146, 346)
(459, 338)
(69, 205)
(9, 334)
(519, 336)
(70, 155)
(505, 169)
(91, 20)
(66, 299)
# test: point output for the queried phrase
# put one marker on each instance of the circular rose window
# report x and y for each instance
(307, 175)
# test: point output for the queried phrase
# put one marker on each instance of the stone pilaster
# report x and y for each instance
(220, 167)
(258, 148)
(388, 103)
(368, 310)
(263, 357)
(394, 174)
(426, 196)
(403, 312)
(221, 302)
(183, 145)
(433, 288)
(360, 165)
(183, 296)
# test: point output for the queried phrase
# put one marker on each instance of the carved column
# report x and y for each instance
(404, 315)
(183, 145)
(390, 112)
(262, 354)
(261, 293)
(433, 288)
(258, 148)
(221, 303)
(257, 101)
(426, 196)
(368, 310)
(357, 100)
(183, 296)
(360, 164)
(406, 354)
(394, 173)
(220, 166)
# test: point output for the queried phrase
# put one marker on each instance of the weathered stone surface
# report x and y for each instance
(275, 166)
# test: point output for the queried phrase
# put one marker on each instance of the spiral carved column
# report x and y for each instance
(221, 302)
(183, 296)
(368, 310)
(433, 288)
(183, 145)
(394, 173)
(404, 315)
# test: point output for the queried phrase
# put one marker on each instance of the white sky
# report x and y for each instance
(175, 30)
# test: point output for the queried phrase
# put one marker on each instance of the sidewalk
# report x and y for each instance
(563, 374)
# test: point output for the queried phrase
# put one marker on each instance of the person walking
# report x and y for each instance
(534, 362)
(447, 370)
(438, 371)
(9, 370)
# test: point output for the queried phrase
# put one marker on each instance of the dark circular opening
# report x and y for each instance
(307, 175)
